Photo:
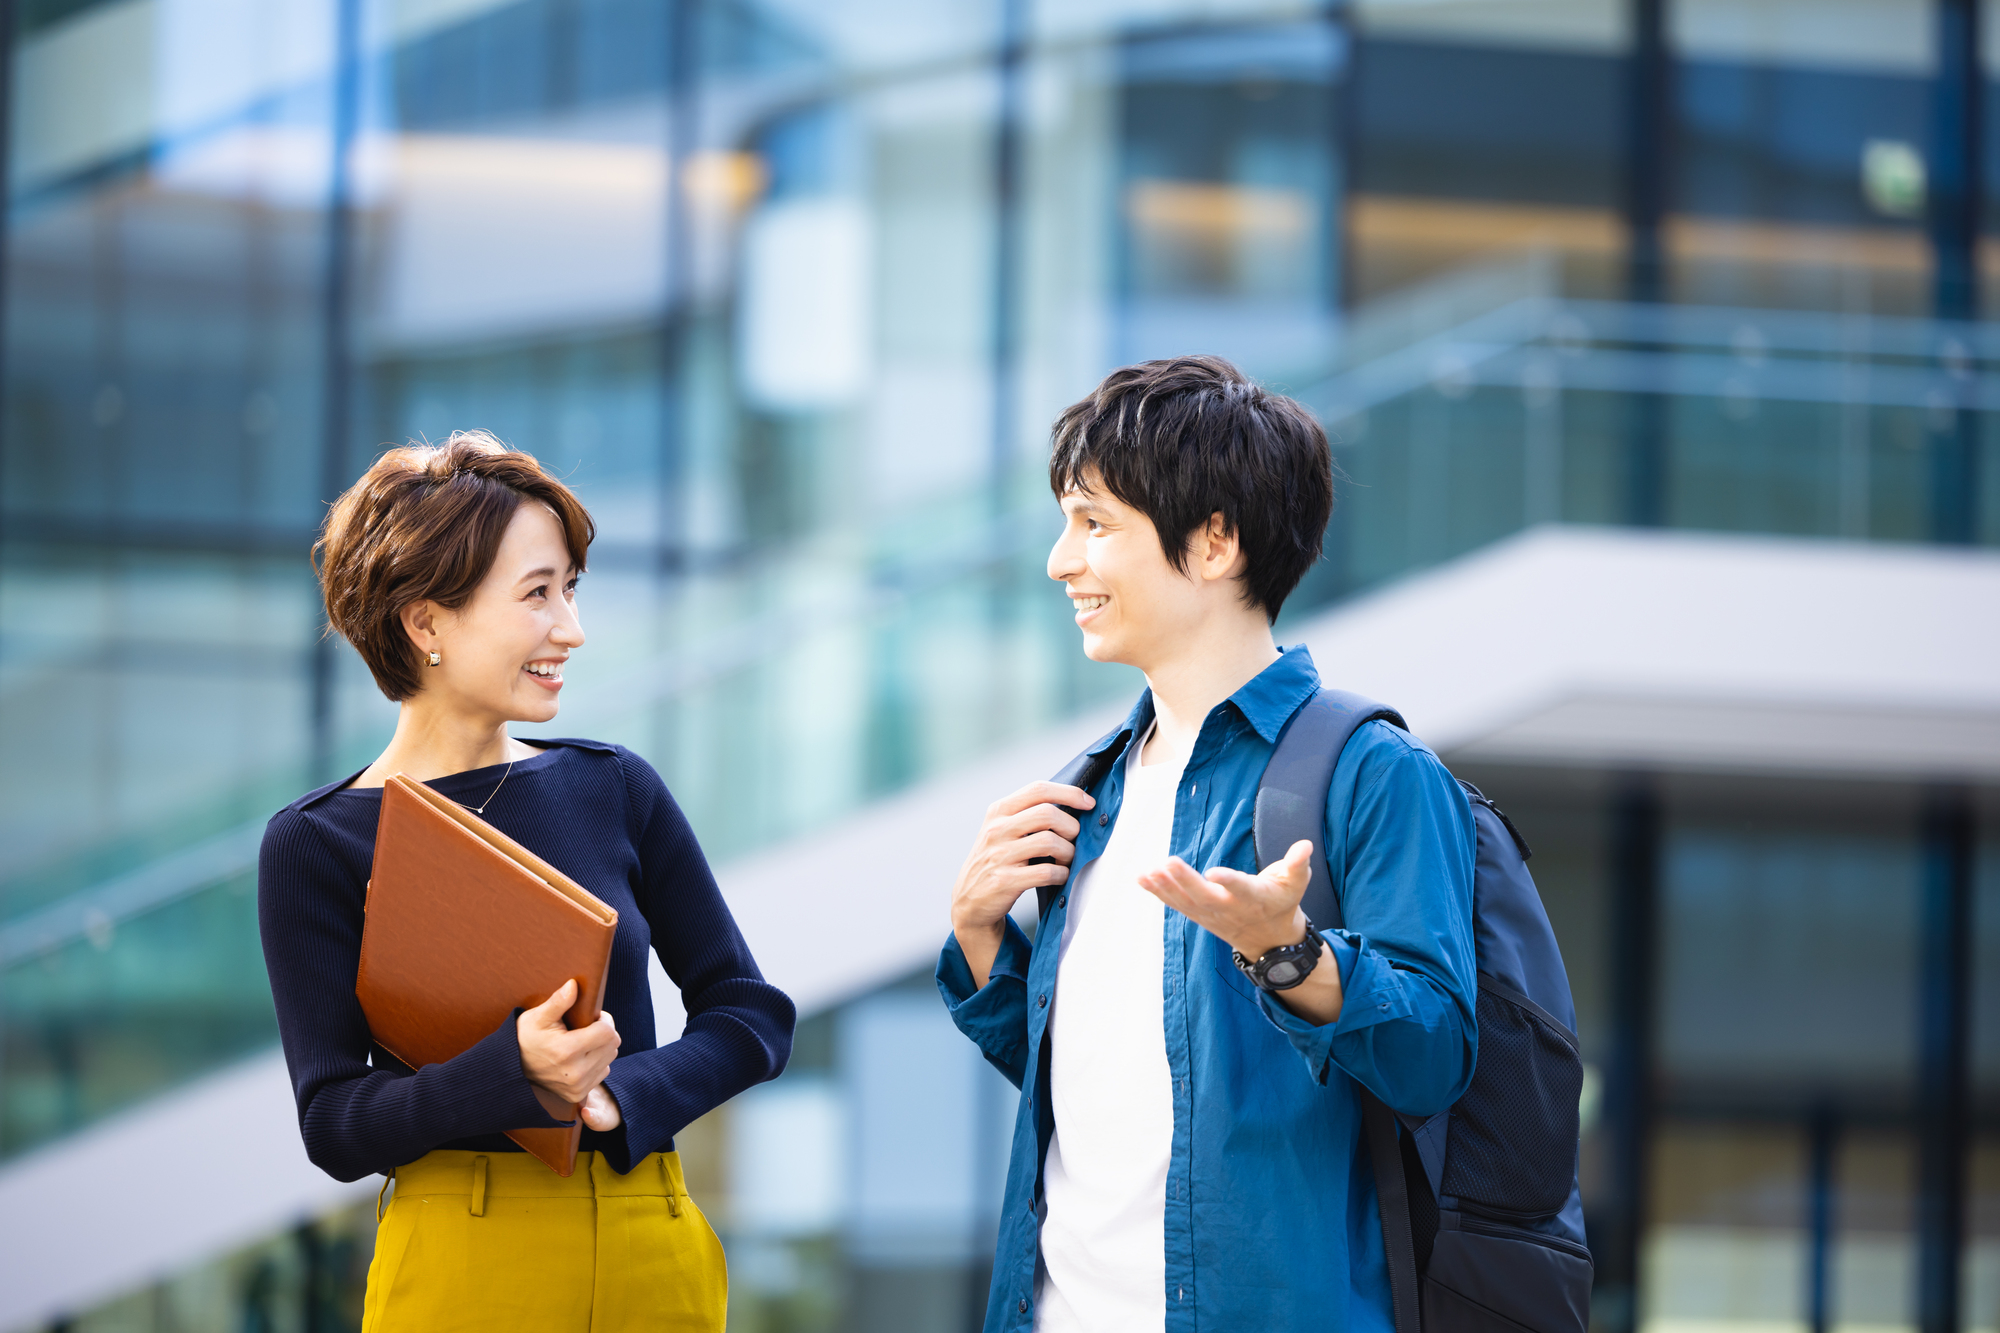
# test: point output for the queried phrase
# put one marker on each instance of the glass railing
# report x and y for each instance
(1711, 419)
(780, 695)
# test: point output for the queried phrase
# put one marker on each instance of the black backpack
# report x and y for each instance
(1482, 1220)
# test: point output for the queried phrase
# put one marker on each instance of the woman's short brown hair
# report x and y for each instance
(424, 524)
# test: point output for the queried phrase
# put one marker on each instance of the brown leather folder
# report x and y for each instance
(464, 925)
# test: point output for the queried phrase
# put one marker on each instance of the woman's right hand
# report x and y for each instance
(563, 1065)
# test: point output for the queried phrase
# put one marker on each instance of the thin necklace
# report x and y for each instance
(480, 809)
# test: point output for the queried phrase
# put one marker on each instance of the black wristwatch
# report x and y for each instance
(1285, 966)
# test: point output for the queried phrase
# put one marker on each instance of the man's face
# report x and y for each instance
(1132, 606)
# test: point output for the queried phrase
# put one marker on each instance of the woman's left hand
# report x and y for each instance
(600, 1109)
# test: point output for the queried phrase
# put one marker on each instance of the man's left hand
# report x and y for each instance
(1252, 914)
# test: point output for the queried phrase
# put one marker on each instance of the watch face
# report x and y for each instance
(1284, 972)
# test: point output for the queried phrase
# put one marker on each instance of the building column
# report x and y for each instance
(337, 351)
(1822, 1225)
(1617, 1226)
(683, 141)
(1954, 195)
(8, 18)
(1648, 150)
(1009, 240)
(1648, 187)
(1944, 1056)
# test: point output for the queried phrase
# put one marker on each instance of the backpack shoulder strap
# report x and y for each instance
(1291, 797)
(1291, 804)
(1392, 1201)
(1085, 771)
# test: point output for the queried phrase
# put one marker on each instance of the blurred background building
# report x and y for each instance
(1649, 335)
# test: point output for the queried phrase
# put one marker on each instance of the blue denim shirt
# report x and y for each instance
(1271, 1215)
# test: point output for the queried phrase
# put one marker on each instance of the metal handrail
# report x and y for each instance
(94, 912)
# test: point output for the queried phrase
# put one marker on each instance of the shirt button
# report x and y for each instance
(1023, 1305)
(1042, 1002)
(1102, 820)
(1063, 901)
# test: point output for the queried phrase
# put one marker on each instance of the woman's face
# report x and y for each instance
(502, 653)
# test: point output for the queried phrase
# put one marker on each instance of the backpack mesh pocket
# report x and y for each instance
(1513, 1135)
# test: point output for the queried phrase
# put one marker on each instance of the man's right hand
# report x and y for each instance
(1018, 830)
(563, 1066)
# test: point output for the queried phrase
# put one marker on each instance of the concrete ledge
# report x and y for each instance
(1587, 646)
(145, 1194)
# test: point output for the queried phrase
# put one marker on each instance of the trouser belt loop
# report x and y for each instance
(479, 1187)
(381, 1196)
(667, 1176)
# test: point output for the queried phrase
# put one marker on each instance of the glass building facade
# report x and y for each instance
(789, 293)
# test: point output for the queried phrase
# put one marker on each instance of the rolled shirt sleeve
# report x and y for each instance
(994, 1016)
(1400, 830)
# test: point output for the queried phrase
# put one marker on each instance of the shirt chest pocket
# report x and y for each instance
(1232, 976)
(1237, 982)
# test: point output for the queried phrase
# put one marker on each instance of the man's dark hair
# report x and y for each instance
(1190, 436)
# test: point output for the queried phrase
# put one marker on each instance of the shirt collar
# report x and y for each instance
(1268, 700)
(1135, 724)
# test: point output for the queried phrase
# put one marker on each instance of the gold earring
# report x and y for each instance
(436, 657)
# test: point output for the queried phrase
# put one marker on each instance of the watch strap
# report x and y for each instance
(1284, 967)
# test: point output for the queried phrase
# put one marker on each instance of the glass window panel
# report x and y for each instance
(164, 373)
(1053, 21)
(874, 34)
(1801, 136)
(1486, 129)
(1874, 1275)
(1216, 151)
(914, 1083)
(1228, 191)
(1894, 35)
(1726, 1247)
(788, 1158)
(1985, 1017)
(130, 1009)
(1766, 926)
(1573, 25)
(1980, 1292)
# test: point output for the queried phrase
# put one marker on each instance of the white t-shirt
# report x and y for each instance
(1104, 1244)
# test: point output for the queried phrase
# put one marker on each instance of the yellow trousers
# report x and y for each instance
(486, 1241)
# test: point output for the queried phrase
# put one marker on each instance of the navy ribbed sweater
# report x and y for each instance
(600, 814)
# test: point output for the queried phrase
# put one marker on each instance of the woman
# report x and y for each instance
(452, 570)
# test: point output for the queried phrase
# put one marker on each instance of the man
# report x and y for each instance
(1188, 1151)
